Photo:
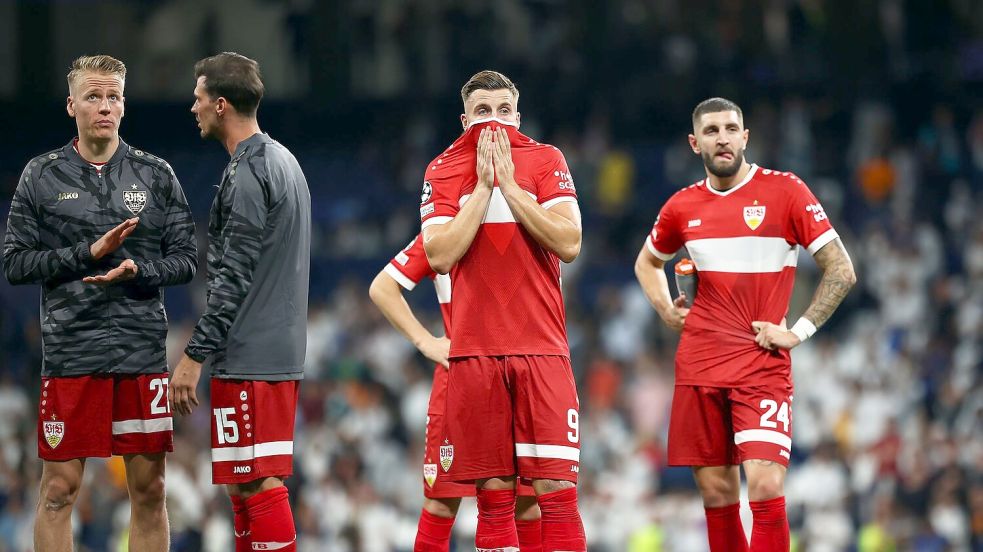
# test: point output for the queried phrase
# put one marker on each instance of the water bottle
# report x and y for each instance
(686, 280)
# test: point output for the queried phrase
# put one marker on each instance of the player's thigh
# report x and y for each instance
(762, 418)
(75, 417)
(142, 422)
(477, 441)
(252, 429)
(436, 432)
(700, 428)
(547, 417)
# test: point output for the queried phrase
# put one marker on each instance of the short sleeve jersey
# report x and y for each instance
(410, 266)
(745, 245)
(506, 286)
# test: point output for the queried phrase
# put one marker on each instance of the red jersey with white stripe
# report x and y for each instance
(507, 286)
(410, 266)
(745, 244)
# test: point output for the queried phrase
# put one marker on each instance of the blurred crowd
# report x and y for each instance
(888, 414)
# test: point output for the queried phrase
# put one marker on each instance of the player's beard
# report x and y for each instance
(723, 170)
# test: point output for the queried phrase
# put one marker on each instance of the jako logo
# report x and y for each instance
(242, 469)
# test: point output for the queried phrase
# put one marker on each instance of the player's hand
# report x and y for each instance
(772, 336)
(675, 316)
(437, 350)
(182, 389)
(127, 270)
(110, 241)
(504, 167)
(486, 163)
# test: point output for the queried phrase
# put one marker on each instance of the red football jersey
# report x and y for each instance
(506, 286)
(745, 244)
(410, 266)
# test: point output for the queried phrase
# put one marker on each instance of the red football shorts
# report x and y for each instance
(102, 415)
(511, 415)
(434, 487)
(252, 429)
(720, 426)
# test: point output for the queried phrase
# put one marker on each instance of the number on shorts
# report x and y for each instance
(159, 405)
(772, 407)
(228, 430)
(573, 420)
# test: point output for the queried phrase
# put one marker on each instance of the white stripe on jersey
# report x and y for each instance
(763, 436)
(822, 240)
(249, 452)
(558, 200)
(650, 244)
(399, 277)
(498, 208)
(143, 426)
(435, 220)
(559, 452)
(743, 255)
(442, 283)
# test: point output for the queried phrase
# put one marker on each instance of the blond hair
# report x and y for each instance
(102, 64)
(488, 80)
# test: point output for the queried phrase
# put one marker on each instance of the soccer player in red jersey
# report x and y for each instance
(732, 406)
(499, 213)
(441, 498)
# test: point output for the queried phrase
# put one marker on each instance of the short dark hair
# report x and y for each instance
(715, 105)
(234, 77)
(488, 80)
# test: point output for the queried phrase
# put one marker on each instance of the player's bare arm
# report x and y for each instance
(387, 294)
(558, 229)
(837, 280)
(651, 275)
(446, 243)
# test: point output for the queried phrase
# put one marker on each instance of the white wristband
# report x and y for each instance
(803, 329)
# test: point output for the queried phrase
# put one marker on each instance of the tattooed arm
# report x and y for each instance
(838, 278)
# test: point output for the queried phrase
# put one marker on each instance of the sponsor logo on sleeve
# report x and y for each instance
(426, 209)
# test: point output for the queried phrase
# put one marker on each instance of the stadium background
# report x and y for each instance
(874, 103)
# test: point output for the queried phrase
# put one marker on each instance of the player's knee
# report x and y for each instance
(527, 508)
(766, 486)
(149, 493)
(58, 494)
(445, 508)
(718, 491)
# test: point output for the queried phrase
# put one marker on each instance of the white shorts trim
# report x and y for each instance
(763, 436)
(153, 425)
(250, 452)
(558, 452)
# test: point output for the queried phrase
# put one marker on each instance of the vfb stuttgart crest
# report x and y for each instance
(135, 200)
(54, 431)
(446, 456)
(430, 474)
(754, 215)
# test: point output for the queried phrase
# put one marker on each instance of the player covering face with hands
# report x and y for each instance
(732, 406)
(499, 214)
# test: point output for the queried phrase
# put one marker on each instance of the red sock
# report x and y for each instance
(496, 521)
(271, 524)
(724, 529)
(562, 528)
(530, 534)
(433, 533)
(240, 524)
(770, 530)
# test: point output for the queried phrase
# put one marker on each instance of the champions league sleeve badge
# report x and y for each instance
(135, 200)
